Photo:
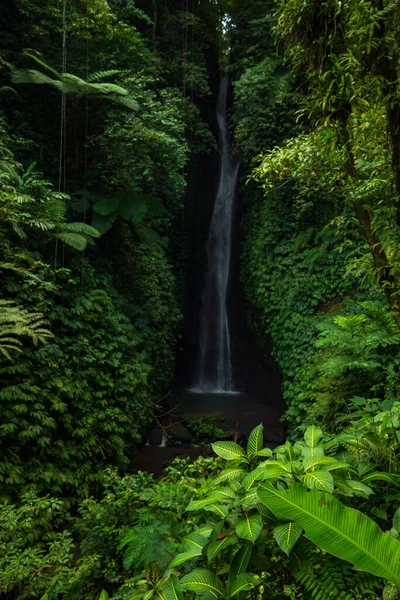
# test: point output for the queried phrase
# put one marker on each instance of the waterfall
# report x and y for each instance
(215, 368)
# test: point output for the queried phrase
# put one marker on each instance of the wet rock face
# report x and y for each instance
(178, 431)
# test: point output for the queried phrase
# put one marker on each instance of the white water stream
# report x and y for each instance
(215, 367)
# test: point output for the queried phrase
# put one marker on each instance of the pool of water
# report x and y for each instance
(240, 412)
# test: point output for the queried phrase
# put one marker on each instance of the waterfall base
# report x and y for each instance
(196, 390)
(240, 412)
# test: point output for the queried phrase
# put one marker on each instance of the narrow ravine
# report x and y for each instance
(214, 372)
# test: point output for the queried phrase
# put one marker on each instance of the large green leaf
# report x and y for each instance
(103, 223)
(249, 526)
(396, 520)
(172, 589)
(264, 452)
(342, 531)
(193, 545)
(312, 436)
(326, 462)
(183, 557)
(199, 504)
(312, 453)
(106, 206)
(249, 500)
(245, 581)
(224, 493)
(159, 594)
(218, 509)
(240, 562)
(203, 582)
(319, 480)
(286, 535)
(379, 476)
(390, 592)
(206, 530)
(228, 450)
(194, 541)
(255, 475)
(217, 546)
(273, 469)
(229, 474)
(359, 489)
(132, 209)
(255, 441)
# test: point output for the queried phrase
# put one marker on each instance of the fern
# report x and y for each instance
(81, 228)
(324, 577)
(103, 74)
(75, 240)
(355, 342)
(72, 84)
(16, 322)
(19, 270)
(148, 543)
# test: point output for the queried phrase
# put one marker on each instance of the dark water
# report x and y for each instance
(240, 412)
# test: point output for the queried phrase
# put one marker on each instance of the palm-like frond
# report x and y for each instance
(76, 235)
(17, 322)
(103, 75)
(351, 342)
(323, 577)
(79, 227)
(72, 84)
(19, 270)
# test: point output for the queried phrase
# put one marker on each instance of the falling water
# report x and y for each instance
(215, 368)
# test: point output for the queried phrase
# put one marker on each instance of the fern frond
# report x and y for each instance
(72, 84)
(129, 102)
(36, 77)
(324, 577)
(16, 322)
(108, 88)
(19, 270)
(103, 75)
(19, 231)
(55, 209)
(75, 240)
(43, 225)
(79, 227)
(36, 56)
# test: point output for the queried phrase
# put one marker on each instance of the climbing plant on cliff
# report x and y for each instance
(352, 100)
(92, 204)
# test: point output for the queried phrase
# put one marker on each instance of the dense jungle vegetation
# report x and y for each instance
(106, 115)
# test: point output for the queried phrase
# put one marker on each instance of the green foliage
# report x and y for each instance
(244, 517)
(339, 530)
(78, 404)
(71, 84)
(16, 322)
(124, 537)
(328, 223)
(356, 355)
(31, 546)
(205, 429)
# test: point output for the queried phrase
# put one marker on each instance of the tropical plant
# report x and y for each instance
(71, 84)
(243, 514)
(17, 322)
